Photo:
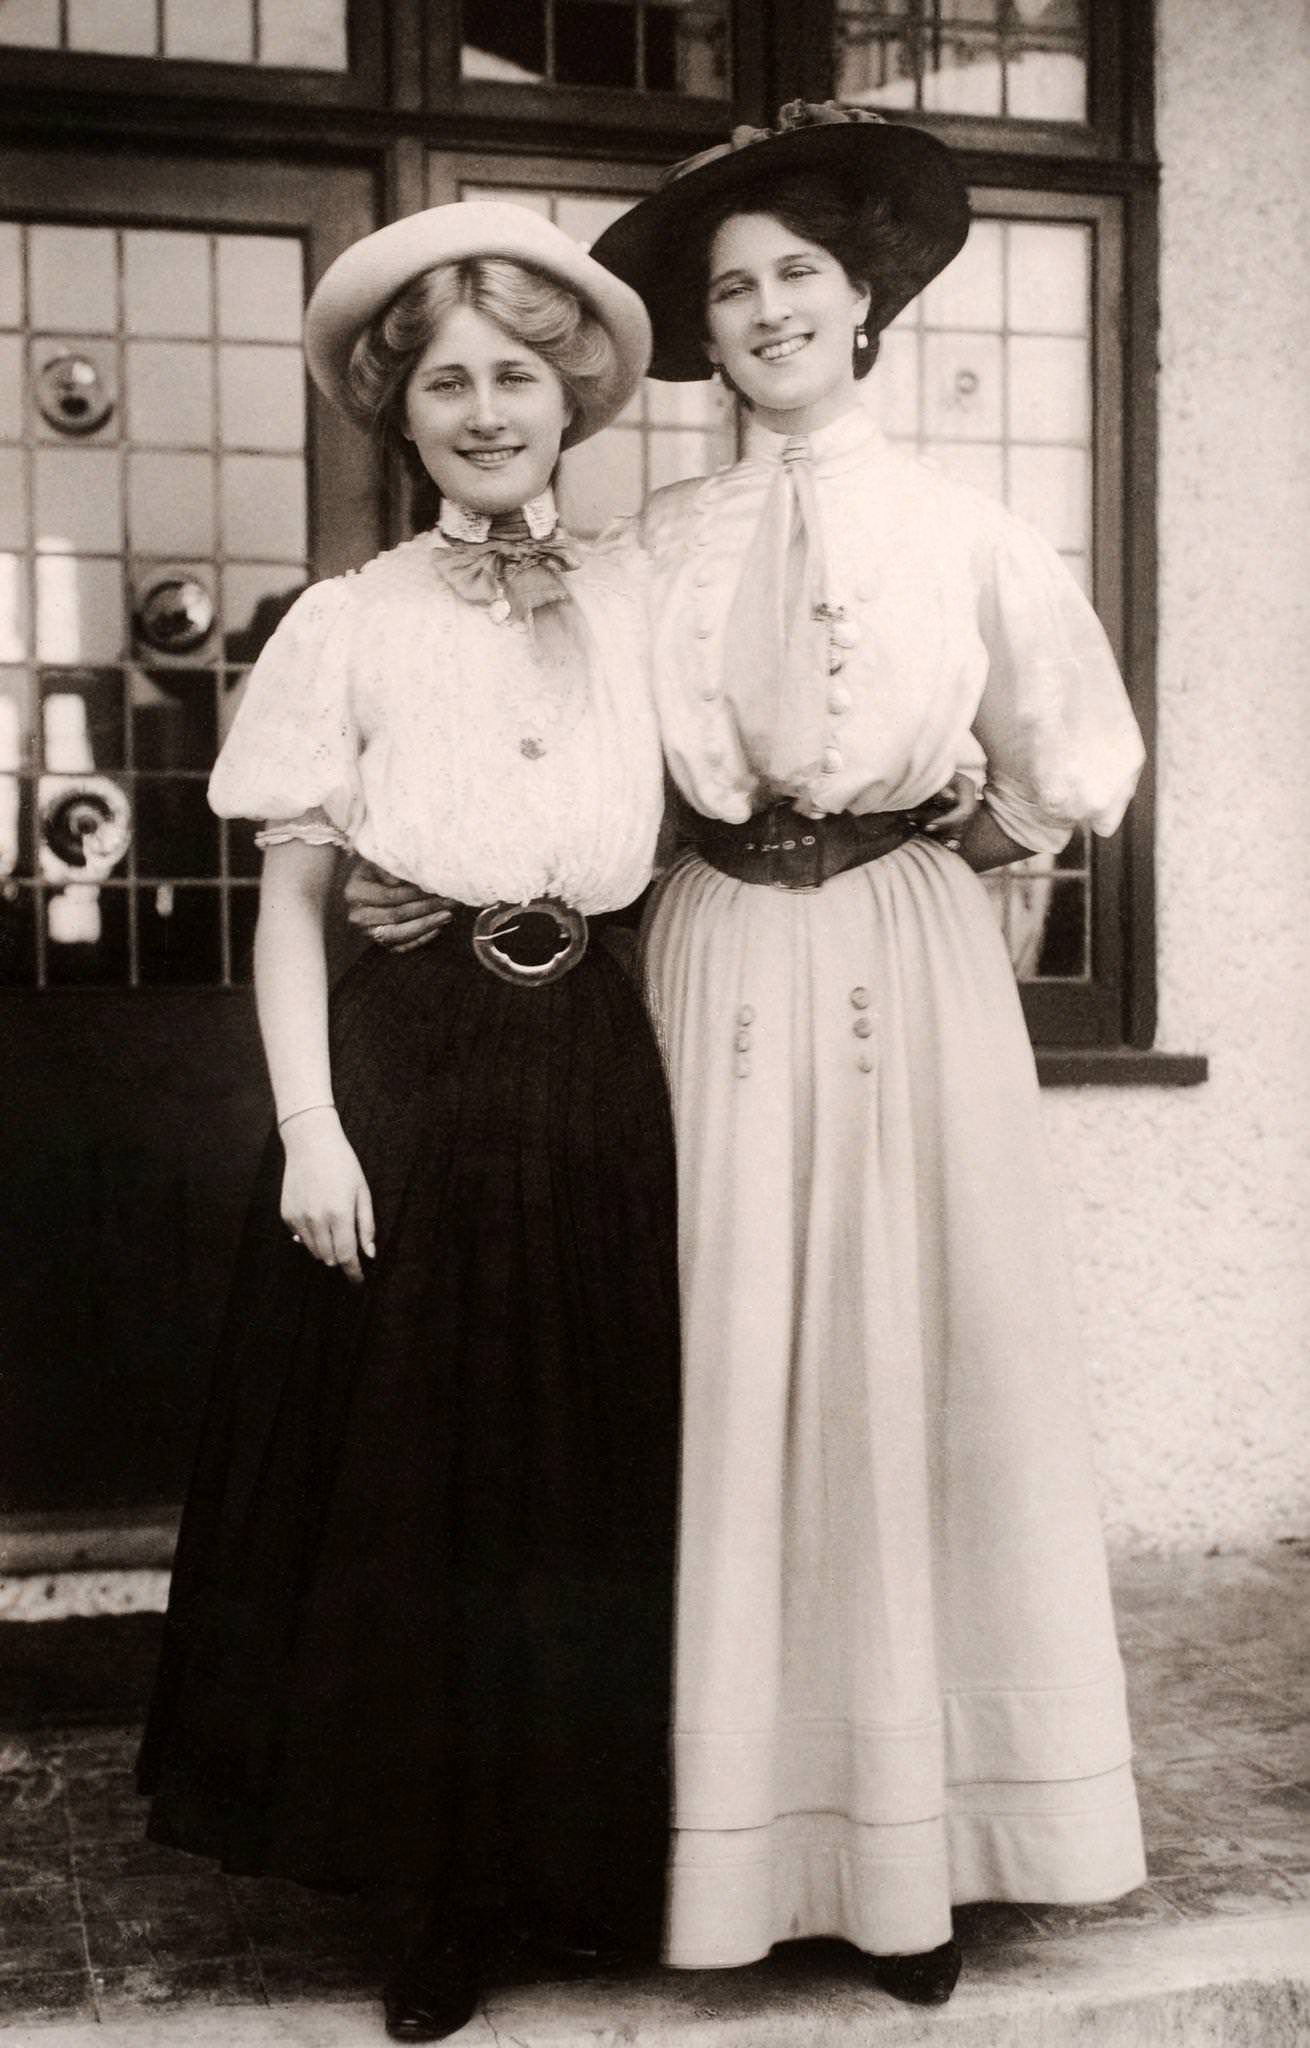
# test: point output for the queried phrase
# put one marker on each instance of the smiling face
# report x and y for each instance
(485, 414)
(781, 315)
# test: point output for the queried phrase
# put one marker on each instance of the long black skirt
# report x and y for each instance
(421, 1622)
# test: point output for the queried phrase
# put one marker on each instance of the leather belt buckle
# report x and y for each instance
(551, 939)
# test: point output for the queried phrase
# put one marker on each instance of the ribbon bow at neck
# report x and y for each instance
(520, 573)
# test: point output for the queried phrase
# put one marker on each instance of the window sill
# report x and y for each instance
(88, 1540)
(1120, 1067)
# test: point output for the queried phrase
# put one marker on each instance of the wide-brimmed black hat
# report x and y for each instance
(911, 170)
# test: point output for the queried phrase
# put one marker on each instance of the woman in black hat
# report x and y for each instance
(898, 1686)
(420, 1632)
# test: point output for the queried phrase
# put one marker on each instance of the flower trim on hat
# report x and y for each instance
(796, 114)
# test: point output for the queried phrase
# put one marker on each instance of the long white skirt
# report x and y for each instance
(898, 1684)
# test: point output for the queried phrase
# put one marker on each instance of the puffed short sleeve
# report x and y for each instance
(1055, 724)
(620, 550)
(619, 537)
(292, 755)
(663, 519)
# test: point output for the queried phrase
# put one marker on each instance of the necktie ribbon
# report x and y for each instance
(525, 573)
(775, 655)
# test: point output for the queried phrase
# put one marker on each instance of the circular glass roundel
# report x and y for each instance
(87, 822)
(72, 394)
(176, 615)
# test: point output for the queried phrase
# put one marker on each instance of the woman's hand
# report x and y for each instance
(325, 1198)
(958, 816)
(394, 914)
(946, 815)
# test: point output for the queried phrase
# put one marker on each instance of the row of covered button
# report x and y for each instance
(710, 684)
(843, 635)
(862, 1026)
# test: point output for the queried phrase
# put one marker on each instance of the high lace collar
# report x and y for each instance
(458, 523)
(853, 437)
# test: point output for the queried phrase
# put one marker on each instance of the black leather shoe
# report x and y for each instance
(926, 1979)
(430, 1993)
(579, 1948)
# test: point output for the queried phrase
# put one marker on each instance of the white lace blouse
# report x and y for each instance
(960, 621)
(390, 715)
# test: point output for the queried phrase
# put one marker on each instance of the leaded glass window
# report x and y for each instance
(305, 35)
(989, 374)
(1017, 60)
(665, 46)
(152, 531)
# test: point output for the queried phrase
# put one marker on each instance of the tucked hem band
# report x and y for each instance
(888, 1889)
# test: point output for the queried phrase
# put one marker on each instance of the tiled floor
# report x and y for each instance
(96, 1923)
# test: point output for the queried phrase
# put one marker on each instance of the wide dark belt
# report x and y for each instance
(781, 849)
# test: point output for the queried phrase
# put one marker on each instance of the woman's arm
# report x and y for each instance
(325, 1199)
(985, 844)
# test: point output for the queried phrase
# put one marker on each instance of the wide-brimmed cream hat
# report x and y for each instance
(366, 277)
(917, 176)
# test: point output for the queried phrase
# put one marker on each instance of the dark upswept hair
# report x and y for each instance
(859, 229)
(528, 304)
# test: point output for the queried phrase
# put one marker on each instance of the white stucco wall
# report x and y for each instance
(1189, 1209)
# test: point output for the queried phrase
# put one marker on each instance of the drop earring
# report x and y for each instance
(861, 341)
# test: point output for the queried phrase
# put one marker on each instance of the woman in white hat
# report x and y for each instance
(898, 1685)
(420, 1630)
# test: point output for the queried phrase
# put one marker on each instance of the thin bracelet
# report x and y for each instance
(294, 1113)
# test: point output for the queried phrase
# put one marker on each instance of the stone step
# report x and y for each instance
(1240, 1983)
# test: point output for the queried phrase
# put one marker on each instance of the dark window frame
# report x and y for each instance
(1091, 1012)
(364, 82)
(1117, 123)
(693, 122)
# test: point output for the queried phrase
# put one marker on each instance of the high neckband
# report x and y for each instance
(852, 437)
(458, 523)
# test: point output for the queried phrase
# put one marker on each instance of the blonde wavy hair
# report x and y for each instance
(529, 306)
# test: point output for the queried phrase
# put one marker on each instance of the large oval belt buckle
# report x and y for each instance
(529, 943)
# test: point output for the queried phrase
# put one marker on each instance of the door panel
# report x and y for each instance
(172, 486)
